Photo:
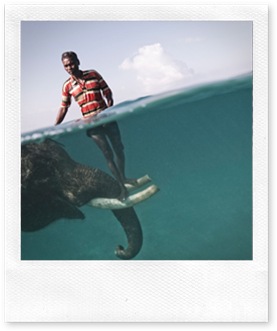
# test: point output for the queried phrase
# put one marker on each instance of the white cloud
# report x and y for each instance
(156, 70)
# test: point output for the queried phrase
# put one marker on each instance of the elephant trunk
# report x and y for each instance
(129, 221)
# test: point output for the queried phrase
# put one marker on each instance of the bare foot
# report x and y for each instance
(123, 194)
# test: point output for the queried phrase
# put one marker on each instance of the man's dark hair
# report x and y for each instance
(70, 55)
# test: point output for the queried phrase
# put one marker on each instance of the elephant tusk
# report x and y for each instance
(140, 182)
(132, 200)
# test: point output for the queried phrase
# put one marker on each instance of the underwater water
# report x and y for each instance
(196, 145)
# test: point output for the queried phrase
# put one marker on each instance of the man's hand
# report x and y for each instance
(110, 102)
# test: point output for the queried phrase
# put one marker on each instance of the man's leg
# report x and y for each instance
(102, 142)
(113, 132)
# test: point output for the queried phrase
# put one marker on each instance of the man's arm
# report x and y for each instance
(105, 89)
(61, 115)
(110, 101)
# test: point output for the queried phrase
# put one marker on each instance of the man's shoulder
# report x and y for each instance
(67, 85)
(90, 72)
(67, 81)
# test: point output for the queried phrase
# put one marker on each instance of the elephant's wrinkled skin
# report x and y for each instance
(53, 186)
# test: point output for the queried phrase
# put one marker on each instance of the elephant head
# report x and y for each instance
(53, 186)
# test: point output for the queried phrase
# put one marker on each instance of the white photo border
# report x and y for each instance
(136, 291)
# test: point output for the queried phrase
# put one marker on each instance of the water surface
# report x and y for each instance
(196, 145)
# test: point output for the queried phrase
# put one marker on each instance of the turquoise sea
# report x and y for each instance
(196, 145)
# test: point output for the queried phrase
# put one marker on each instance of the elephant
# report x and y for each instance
(54, 186)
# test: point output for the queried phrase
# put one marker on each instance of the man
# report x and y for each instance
(89, 90)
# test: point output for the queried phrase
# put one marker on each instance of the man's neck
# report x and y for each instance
(78, 75)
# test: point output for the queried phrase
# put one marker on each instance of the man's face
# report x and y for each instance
(70, 66)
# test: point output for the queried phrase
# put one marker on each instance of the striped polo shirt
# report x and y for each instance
(87, 92)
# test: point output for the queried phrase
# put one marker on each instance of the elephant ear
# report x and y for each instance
(36, 215)
(64, 209)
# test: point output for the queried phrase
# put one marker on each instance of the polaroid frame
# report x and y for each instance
(136, 291)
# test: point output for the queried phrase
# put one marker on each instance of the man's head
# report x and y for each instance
(70, 62)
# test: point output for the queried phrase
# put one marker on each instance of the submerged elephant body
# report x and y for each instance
(53, 186)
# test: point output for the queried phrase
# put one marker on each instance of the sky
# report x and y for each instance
(136, 58)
